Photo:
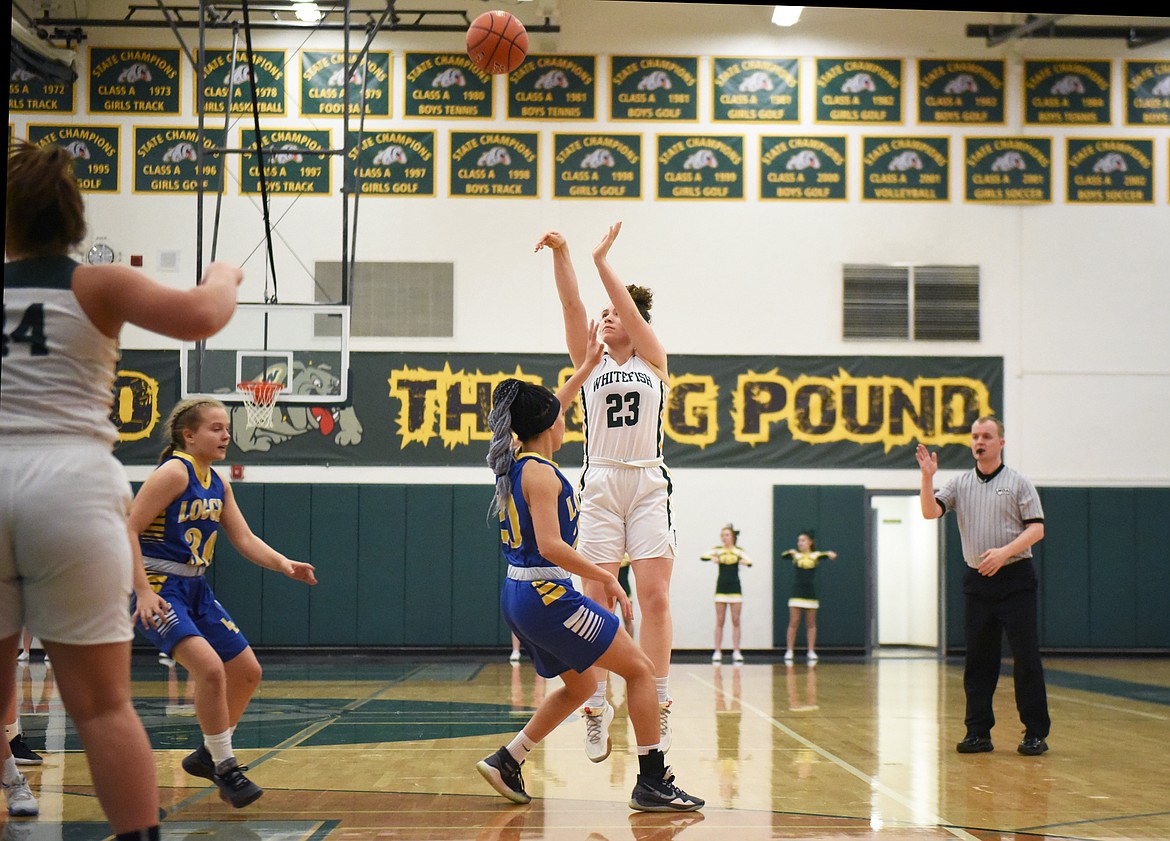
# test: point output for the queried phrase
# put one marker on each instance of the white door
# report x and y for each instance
(906, 573)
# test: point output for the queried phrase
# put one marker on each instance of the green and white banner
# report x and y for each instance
(430, 409)
(1147, 93)
(502, 164)
(553, 87)
(703, 167)
(1008, 170)
(166, 159)
(961, 91)
(905, 168)
(597, 166)
(323, 84)
(1067, 92)
(859, 90)
(446, 86)
(805, 168)
(94, 149)
(221, 78)
(392, 163)
(133, 80)
(290, 163)
(655, 88)
(30, 93)
(1110, 171)
(756, 90)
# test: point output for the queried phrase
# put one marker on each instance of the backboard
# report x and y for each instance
(303, 346)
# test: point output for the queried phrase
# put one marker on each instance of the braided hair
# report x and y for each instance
(187, 414)
(519, 410)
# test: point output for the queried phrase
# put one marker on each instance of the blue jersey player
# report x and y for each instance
(176, 519)
(565, 631)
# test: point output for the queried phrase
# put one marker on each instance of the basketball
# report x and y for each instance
(497, 42)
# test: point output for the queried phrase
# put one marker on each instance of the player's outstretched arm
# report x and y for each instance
(645, 340)
(594, 350)
(114, 295)
(572, 307)
(252, 547)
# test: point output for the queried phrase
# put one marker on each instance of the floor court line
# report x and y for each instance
(873, 783)
(1060, 696)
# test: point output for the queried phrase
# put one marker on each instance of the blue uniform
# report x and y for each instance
(561, 628)
(177, 549)
(185, 532)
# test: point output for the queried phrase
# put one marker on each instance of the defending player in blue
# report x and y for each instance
(565, 632)
(175, 521)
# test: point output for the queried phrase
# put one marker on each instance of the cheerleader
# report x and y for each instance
(728, 591)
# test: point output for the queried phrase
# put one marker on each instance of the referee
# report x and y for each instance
(1000, 519)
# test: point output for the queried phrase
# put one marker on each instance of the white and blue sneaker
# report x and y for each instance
(597, 741)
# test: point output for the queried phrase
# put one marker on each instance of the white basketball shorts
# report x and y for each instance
(65, 557)
(626, 510)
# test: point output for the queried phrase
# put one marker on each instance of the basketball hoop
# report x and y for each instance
(259, 400)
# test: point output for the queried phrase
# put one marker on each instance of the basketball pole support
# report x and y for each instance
(198, 63)
(222, 15)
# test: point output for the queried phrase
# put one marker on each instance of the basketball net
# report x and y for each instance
(259, 400)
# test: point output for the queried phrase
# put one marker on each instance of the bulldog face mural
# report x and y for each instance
(291, 420)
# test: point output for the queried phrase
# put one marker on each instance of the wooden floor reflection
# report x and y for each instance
(361, 747)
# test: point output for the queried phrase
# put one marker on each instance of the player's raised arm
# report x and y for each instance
(593, 354)
(644, 339)
(572, 308)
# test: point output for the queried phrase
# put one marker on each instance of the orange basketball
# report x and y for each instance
(497, 42)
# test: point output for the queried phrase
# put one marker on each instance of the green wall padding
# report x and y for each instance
(1112, 576)
(381, 601)
(427, 553)
(1151, 565)
(1103, 570)
(420, 565)
(287, 525)
(237, 583)
(837, 514)
(952, 572)
(479, 566)
(333, 551)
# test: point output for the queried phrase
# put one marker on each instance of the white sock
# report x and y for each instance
(521, 746)
(219, 746)
(10, 772)
(597, 700)
(663, 692)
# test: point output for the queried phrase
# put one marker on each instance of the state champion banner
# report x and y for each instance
(430, 410)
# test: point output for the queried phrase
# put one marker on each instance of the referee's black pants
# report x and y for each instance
(999, 604)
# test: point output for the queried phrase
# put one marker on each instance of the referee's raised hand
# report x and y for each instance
(927, 461)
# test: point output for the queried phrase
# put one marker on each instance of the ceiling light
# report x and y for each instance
(307, 12)
(786, 15)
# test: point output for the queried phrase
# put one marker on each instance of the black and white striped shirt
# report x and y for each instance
(992, 510)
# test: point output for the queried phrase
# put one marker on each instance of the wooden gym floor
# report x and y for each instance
(352, 747)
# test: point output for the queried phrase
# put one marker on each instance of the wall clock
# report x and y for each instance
(100, 253)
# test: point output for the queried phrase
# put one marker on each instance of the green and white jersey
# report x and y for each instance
(58, 368)
(992, 510)
(624, 412)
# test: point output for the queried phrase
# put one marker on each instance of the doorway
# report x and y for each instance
(905, 580)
